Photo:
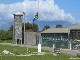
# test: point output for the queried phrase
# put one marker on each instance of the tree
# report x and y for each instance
(45, 27)
(35, 27)
(58, 26)
(5, 35)
(2, 32)
(11, 28)
(10, 32)
(28, 27)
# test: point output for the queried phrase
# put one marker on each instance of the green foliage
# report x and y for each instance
(31, 27)
(78, 55)
(58, 26)
(5, 41)
(11, 28)
(28, 26)
(46, 27)
(35, 27)
(5, 35)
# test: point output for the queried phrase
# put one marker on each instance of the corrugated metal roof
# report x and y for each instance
(75, 27)
(57, 30)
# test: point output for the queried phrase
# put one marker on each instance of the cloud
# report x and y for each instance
(48, 11)
(51, 11)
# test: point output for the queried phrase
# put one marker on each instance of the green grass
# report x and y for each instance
(23, 50)
(18, 50)
(44, 57)
(5, 41)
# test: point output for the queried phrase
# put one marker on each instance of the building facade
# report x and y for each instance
(62, 37)
(75, 36)
(57, 36)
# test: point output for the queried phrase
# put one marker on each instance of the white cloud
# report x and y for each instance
(51, 11)
(48, 11)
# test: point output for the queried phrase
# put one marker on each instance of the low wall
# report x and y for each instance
(30, 38)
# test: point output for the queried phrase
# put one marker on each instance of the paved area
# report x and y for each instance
(70, 52)
(65, 51)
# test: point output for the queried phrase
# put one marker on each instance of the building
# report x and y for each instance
(75, 36)
(57, 36)
(62, 37)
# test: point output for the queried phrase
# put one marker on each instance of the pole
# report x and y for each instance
(38, 9)
(70, 45)
(38, 5)
(39, 45)
(13, 31)
(38, 17)
(24, 26)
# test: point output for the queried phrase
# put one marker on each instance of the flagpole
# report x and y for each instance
(38, 9)
(38, 15)
(39, 45)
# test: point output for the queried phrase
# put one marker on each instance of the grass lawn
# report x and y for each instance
(5, 41)
(22, 50)
(44, 57)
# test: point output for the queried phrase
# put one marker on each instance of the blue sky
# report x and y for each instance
(49, 11)
(70, 6)
(9, 1)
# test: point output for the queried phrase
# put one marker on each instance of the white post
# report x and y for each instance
(27, 49)
(70, 45)
(39, 48)
(53, 47)
(39, 45)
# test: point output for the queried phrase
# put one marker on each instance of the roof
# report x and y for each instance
(75, 27)
(19, 13)
(57, 30)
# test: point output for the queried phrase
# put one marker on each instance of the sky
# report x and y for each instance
(49, 10)
(70, 6)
